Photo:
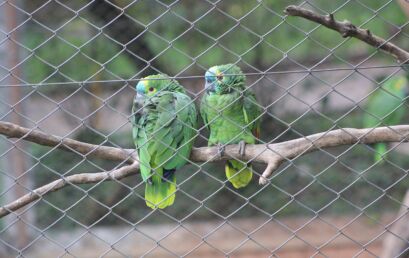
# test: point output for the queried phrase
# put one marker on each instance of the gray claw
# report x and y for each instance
(221, 149)
(242, 148)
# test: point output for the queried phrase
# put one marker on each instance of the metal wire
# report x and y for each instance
(333, 202)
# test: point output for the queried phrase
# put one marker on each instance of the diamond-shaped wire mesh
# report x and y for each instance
(70, 69)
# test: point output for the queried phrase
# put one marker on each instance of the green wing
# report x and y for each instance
(135, 117)
(185, 124)
(385, 106)
(203, 111)
(176, 132)
(140, 138)
(252, 111)
(164, 135)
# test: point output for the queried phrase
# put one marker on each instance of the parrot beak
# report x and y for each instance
(210, 87)
(139, 98)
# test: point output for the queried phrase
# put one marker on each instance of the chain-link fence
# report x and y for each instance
(69, 170)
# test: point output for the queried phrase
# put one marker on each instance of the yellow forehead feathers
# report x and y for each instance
(219, 75)
(145, 83)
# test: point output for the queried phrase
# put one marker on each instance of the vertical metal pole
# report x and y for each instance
(18, 160)
(4, 166)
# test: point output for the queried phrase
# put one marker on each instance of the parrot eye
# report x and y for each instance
(220, 77)
(151, 89)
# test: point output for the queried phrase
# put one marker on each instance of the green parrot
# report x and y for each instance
(164, 122)
(231, 113)
(385, 107)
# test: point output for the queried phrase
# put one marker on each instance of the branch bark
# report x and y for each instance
(347, 29)
(271, 154)
(84, 178)
(11, 130)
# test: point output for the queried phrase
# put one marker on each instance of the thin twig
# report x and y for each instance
(271, 154)
(347, 29)
(85, 178)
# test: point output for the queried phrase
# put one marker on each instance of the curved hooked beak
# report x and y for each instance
(139, 101)
(139, 95)
(139, 98)
(210, 87)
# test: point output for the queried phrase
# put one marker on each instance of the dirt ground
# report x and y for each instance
(286, 238)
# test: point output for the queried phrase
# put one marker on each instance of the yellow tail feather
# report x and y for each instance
(238, 173)
(159, 193)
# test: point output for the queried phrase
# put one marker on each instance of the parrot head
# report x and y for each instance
(223, 79)
(151, 85)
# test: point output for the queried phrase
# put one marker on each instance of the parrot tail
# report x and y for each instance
(238, 174)
(380, 153)
(160, 191)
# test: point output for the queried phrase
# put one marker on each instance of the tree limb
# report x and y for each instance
(90, 150)
(84, 178)
(273, 154)
(347, 29)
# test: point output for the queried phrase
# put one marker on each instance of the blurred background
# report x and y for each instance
(69, 68)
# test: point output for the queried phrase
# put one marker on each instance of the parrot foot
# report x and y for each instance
(221, 148)
(242, 148)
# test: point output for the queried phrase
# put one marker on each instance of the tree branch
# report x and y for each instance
(90, 150)
(347, 29)
(271, 154)
(84, 178)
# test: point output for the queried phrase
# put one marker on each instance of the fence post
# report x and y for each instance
(17, 161)
(4, 144)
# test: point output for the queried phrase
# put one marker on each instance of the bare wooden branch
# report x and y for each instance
(347, 29)
(271, 154)
(84, 178)
(284, 151)
(90, 150)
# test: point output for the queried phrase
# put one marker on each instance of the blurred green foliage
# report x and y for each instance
(202, 34)
(75, 55)
(211, 34)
